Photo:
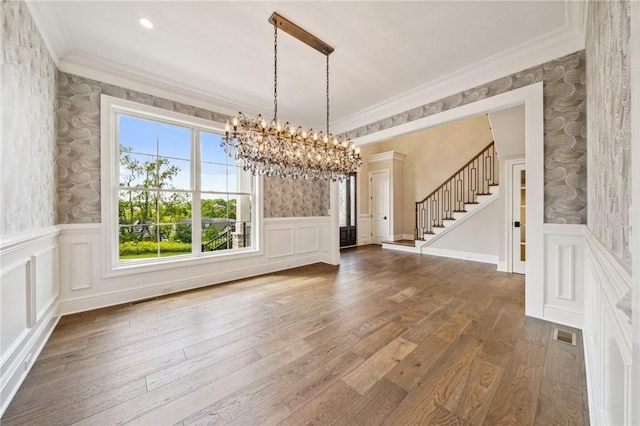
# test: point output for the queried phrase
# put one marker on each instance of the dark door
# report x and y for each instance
(347, 216)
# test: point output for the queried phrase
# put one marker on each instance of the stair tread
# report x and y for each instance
(409, 243)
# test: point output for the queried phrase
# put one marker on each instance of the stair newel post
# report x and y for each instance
(415, 231)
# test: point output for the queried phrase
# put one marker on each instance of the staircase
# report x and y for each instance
(467, 191)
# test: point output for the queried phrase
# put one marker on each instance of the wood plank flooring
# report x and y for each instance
(387, 338)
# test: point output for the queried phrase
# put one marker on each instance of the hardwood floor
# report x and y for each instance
(388, 338)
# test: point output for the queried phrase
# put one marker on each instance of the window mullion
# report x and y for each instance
(196, 220)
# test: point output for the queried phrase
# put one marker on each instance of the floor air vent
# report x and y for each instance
(564, 336)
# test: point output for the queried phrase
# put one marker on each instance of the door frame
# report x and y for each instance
(509, 229)
(532, 96)
(348, 197)
(389, 198)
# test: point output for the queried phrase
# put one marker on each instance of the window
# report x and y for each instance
(175, 193)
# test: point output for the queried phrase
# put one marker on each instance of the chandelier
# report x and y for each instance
(275, 149)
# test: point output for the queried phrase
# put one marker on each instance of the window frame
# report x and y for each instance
(111, 109)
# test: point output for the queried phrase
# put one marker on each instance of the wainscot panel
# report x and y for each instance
(607, 335)
(28, 304)
(364, 229)
(564, 274)
(284, 243)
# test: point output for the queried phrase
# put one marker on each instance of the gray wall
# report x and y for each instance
(609, 125)
(27, 148)
(565, 145)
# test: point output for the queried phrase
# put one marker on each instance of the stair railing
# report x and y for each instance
(473, 179)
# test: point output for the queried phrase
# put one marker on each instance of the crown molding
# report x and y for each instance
(106, 71)
(568, 39)
(389, 155)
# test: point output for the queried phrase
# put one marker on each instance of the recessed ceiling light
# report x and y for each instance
(145, 22)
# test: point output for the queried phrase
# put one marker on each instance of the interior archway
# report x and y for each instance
(532, 98)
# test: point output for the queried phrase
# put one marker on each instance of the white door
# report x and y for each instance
(379, 192)
(519, 224)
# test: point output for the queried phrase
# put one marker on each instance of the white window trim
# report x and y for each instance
(109, 108)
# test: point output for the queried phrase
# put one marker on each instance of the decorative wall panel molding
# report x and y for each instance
(308, 239)
(282, 242)
(607, 335)
(566, 272)
(28, 305)
(81, 259)
(364, 229)
(564, 277)
(45, 273)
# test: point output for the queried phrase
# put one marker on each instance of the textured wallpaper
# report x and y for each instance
(78, 163)
(27, 150)
(564, 126)
(609, 125)
(292, 198)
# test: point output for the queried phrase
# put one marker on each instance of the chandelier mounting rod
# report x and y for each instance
(300, 33)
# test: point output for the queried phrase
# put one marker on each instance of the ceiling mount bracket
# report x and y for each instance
(301, 34)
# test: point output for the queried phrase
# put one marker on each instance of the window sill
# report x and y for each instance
(185, 261)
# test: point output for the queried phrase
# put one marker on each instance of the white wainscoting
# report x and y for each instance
(564, 274)
(28, 304)
(364, 229)
(287, 243)
(607, 336)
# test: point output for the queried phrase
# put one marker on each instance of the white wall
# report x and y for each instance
(507, 126)
(476, 237)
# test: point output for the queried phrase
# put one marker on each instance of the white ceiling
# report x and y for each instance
(221, 52)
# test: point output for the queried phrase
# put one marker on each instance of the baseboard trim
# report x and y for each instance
(563, 316)
(454, 254)
(400, 247)
(502, 267)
